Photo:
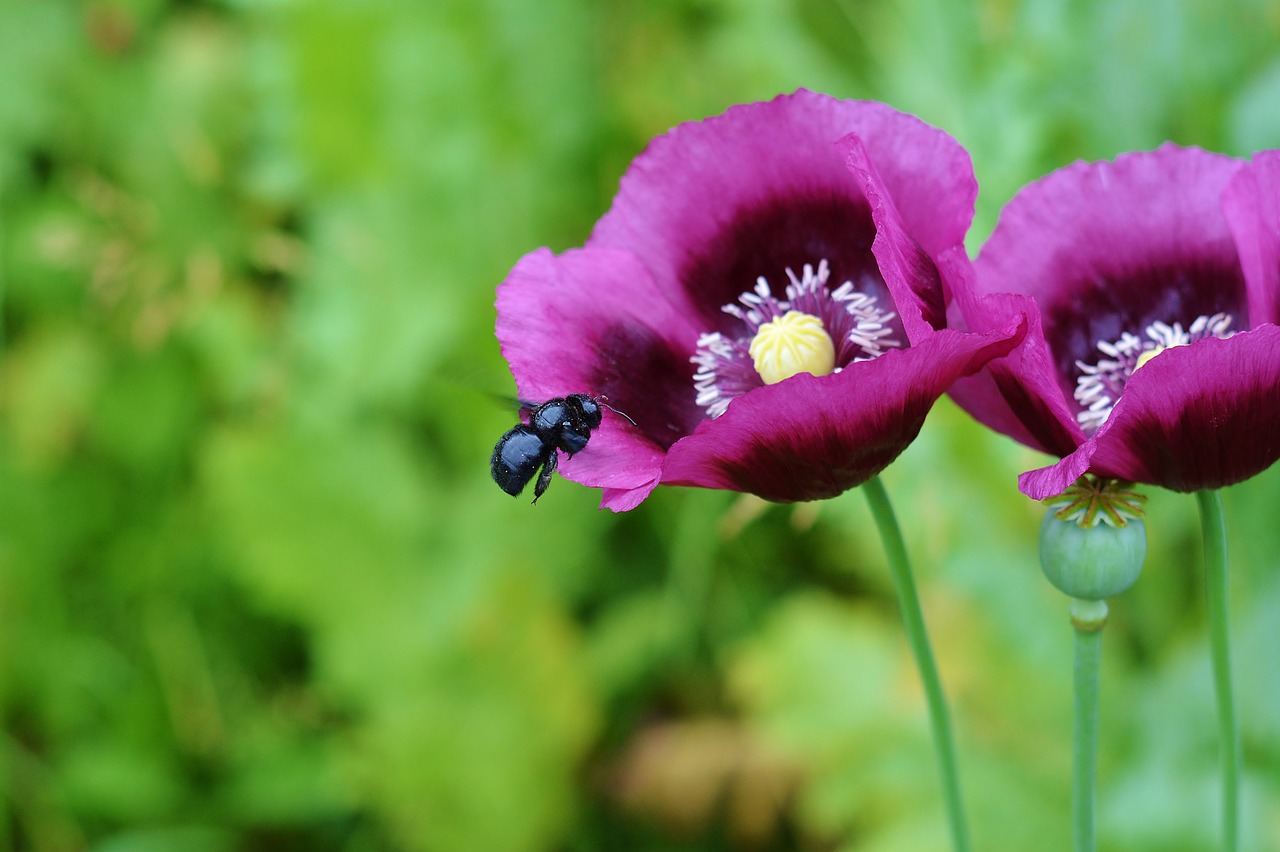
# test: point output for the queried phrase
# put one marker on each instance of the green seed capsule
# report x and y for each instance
(1091, 563)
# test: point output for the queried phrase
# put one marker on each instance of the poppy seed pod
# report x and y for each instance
(1091, 562)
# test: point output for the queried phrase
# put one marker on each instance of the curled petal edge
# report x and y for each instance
(1218, 432)
(812, 438)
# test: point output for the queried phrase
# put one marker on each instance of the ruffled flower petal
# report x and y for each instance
(1141, 365)
(810, 437)
(1021, 395)
(1106, 248)
(1252, 208)
(592, 321)
(830, 210)
(908, 271)
(714, 204)
(1195, 417)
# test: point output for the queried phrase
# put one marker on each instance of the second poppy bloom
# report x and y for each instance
(763, 298)
(1154, 355)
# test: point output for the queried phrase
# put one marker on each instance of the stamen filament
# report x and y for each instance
(844, 326)
(1099, 386)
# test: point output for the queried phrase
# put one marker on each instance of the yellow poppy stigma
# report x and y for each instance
(793, 343)
(1146, 357)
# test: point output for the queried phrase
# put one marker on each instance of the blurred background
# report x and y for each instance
(257, 590)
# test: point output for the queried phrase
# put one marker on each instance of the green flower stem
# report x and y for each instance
(1214, 530)
(913, 620)
(1088, 618)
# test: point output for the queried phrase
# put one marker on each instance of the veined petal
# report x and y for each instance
(810, 437)
(1125, 260)
(1106, 248)
(1020, 395)
(592, 321)
(1251, 205)
(909, 273)
(714, 204)
(719, 228)
(1198, 416)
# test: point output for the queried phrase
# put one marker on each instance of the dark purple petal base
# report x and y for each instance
(1201, 416)
(703, 213)
(812, 438)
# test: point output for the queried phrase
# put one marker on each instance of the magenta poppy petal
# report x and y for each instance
(714, 204)
(909, 273)
(1056, 478)
(849, 232)
(1020, 395)
(591, 321)
(1252, 208)
(627, 470)
(810, 438)
(623, 499)
(1107, 248)
(926, 172)
(1083, 218)
(1195, 417)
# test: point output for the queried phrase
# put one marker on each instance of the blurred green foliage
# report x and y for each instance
(256, 589)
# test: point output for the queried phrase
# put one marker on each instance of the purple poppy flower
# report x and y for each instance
(762, 298)
(1155, 357)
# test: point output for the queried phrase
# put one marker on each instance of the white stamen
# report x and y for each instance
(1099, 385)
(858, 329)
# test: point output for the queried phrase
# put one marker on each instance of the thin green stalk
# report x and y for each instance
(913, 620)
(1214, 531)
(1088, 618)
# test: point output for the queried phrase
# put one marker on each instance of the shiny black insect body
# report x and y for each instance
(563, 423)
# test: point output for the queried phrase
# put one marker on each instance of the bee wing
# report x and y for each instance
(509, 401)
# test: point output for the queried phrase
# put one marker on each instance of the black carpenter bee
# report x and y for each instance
(563, 423)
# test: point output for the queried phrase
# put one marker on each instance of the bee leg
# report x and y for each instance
(544, 478)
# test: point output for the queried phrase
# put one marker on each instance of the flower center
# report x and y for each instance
(1099, 385)
(813, 330)
(1146, 356)
(792, 343)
